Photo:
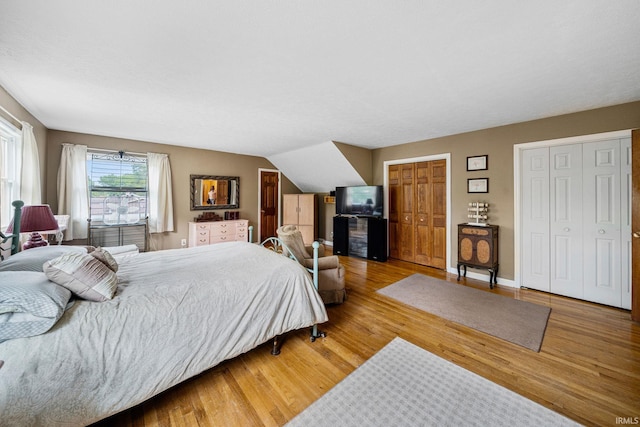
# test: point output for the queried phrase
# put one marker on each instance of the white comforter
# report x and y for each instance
(176, 314)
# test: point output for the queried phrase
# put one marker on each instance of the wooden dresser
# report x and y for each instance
(208, 233)
(478, 248)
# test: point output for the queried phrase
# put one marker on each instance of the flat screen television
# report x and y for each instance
(359, 200)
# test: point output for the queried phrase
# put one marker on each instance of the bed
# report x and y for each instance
(176, 313)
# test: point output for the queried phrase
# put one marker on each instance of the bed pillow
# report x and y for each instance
(33, 259)
(105, 257)
(85, 276)
(30, 304)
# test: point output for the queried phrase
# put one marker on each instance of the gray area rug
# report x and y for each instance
(404, 385)
(518, 322)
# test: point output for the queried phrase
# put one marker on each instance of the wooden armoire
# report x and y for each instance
(418, 212)
(301, 210)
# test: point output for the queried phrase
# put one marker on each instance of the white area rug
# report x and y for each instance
(404, 385)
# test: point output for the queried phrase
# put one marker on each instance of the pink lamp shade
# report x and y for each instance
(35, 219)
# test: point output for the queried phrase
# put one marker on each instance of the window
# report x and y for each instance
(10, 159)
(118, 188)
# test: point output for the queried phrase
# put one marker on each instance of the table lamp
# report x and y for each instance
(35, 219)
(369, 204)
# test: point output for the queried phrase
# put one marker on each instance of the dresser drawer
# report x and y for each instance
(222, 232)
(222, 238)
(200, 241)
(219, 228)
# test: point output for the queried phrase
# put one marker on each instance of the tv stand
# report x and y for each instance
(360, 236)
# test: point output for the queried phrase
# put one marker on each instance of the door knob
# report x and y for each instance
(567, 229)
(636, 234)
(601, 231)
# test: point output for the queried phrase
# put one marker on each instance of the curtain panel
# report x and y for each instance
(73, 199)
(160, 193)
(30, 188)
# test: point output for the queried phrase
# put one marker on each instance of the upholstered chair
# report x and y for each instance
(330, 272)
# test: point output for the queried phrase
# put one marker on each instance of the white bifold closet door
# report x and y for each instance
(576, 227)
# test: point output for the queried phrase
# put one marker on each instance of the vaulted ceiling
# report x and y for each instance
(271, 77)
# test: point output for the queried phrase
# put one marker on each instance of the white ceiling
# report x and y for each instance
(269, 77)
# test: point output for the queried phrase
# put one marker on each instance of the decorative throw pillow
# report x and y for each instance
(32, 259)
(84, 275)
(105, 257)
(30, 304)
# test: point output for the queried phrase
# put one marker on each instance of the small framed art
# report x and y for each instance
(478, 163)
(478, 185)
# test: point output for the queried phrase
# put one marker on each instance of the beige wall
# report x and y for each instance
(39, 130)
(184, 161)
(360, 159)
(498, 144)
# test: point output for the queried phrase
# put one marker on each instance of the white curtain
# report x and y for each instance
(160, 194)
(4, 198)
(30, 190)
(73, 199)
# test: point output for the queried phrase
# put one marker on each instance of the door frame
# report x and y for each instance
(442, 156)
(260, 170)
(517, 160)
(635, 225)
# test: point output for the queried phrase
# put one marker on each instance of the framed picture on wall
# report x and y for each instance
(478, 185)
(478, 163)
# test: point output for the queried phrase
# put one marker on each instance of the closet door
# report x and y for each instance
(439, 213)
(422, 197)
(394, 210)
(602, 221)
(418, 212)
(430, 213)
(626, 212)
(634, 265)
(576, 220)
(565, 176)
(406, 243)
(535, 218)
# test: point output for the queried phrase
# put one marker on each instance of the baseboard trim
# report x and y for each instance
(485, 278)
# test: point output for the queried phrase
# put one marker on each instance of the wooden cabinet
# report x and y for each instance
(478, 248)
(301, 210)
(208, 233)
(362, 237)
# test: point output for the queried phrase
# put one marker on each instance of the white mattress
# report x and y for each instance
(177, 313)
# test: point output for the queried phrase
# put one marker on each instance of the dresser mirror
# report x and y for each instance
(215, 192)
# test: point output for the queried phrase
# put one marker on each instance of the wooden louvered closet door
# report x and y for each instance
(393, 182)
(406, 243)
(417, 212)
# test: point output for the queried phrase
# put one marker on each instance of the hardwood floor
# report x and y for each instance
(588, 368)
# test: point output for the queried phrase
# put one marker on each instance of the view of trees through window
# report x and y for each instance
(118, 188)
